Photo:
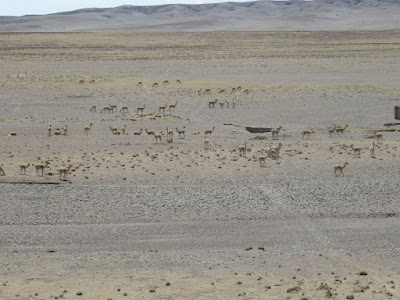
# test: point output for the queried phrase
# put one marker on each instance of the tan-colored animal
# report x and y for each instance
(64, 172)
(246, 91)
(155, 85)
(87, 129)
(139, 84)
(372, 150)
(22, 168)
(243, 149)
(275, 132)
(165, 82)
(211, 104)
(92, 81)
(331, 131)
(41, 167)
(356, 151)
(207, 92)
(150, 132)
(209, 131)
(106, 109)
(93, 108)
(113, 130)
(239, 88)
(178, 81)
(2, 173)
(172, 106)
(124, 110)
(221, 104)
(113, 108)
(57, 132)
(49, 130)
(170, 135)
(140, 110)
(199, 92)
(340, 129)
(233, 90)
(379, 137)
(262, 159)
(206, 143)
(162, 108)
(158, 137)
(340, 168)
(274, 151)
(227, 103)
(137, 132)
(222, 91)
(234, 103)
(65, 129)
(181, 132)
(123, 130)
(307, 133)
(81, 81)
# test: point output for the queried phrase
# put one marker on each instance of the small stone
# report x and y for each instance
(363, 273)
(293, 290)
(79, 294)
(248, 248)
(350, 297)
(168, 283)
(152, 291)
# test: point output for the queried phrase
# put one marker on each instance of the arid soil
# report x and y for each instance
(134, 214)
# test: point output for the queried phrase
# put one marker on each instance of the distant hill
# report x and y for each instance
(229, 16)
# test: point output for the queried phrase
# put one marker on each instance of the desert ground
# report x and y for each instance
(136, 218)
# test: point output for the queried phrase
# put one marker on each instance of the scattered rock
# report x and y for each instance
(294, 290)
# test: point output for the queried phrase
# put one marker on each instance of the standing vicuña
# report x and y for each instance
(22, 168)
(372, 150)
(41, 167)
(243, 149)
(211, 104)
(262, 159)
(209, 131)
(307, 133)
(275, 132)
(206, 143)
(64, 172)
(379, 137)
(172, 106)
(181, 132)
(88, 128)
(340, 129)
(357, 151)
(340, 168)
(162, 108)
(158, 137)
(140, 110)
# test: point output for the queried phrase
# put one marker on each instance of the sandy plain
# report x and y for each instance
(140, 220)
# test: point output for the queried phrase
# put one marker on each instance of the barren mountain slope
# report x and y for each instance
(247, 16)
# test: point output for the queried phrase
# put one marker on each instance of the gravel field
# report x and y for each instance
(134, 214)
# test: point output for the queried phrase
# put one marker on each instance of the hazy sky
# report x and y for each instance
(26, 7)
